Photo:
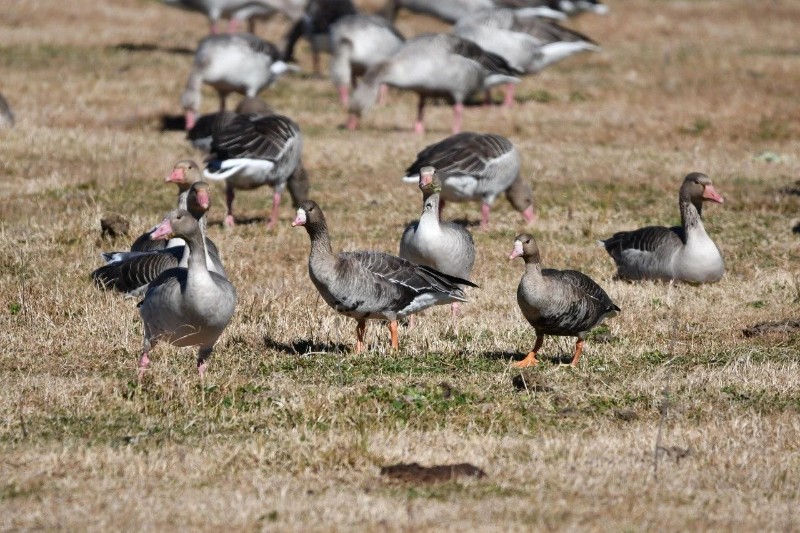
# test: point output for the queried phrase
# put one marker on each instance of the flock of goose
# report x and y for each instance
(188, 298)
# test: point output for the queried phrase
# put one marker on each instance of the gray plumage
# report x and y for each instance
(681, 253)
(239, 11)
(568, 7)
(446, 10)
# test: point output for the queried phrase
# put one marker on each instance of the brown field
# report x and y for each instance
(290, 428)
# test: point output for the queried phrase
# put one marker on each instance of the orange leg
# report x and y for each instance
(578, 350)
(530, 359)
(360, 329)
(393, 332)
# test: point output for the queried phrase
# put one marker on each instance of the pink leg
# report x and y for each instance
(229, 195)
(419, 125)
(190, 119)
(352, 122)
(214, 28)
(144, 363)
(344, 95)
(233, 26)
(412, 322)
(383, 94)
(458, 115)
(273, 218)
(202, 361)
(484, 216)
(509, 99)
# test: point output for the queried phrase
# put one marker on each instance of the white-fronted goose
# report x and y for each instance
(527, 42)
(186, 306)
(439, 65)
(315, 26)
(372, 285)
(240, 63)
(681, 253)
(444, 246)
(446, 10)
(564, 303)
(477, 167)
(249, 153)
(6, 115)
(359, 42)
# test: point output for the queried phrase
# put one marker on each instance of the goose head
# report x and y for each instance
(198, 202)
(526, 248)
(429, 182)
(177, 223)
(697, 188)
(520, 195)
(184, 173)
(309, 214)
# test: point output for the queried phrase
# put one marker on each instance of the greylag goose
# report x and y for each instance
(446, 10)
(681, 253)
(131, 272)
(315, 26)
(240, 63)
(444, 246)
(359, 42)
(439, 65)
(477, 166)
(372, 285)
(185, 306)
(238, 11)
(6, 115)
(564, 303)
(249, 153)
(527, 42)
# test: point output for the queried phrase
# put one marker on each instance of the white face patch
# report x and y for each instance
(300, 219)
(517, 248)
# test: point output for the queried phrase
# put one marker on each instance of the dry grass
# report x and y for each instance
(280, 439)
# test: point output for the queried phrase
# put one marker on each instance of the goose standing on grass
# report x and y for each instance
(185, 306)
(240, 63)
(6, 115)
(526, 41)
(132, 272)
(315, 26)
(563, 303)
(372, 285)
(477, 166)
(444, 246)
(681, 253)
(249, 153)
(438, 65)
(358, 43)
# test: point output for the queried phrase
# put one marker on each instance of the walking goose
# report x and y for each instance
(372, 285)
(476, 166)
(249, 153)
(438, 65)
(131, 272)
(527, 42)
(444, 246)
(240, 63)
(681, 253)
(185, 306)
(358, 43)
(563, 303)
(315, 26)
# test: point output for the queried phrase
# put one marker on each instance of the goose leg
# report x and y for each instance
(441, 205)
(419, 125)
(458, 115)
(222, 98)
(344, 95)
(361, 327)
(144, 360)
(530, 359)
(578, 351)
(487, 99)
(383, 94)
(509, 99)
(393, 333)
(485, 216)
(273, 217)
(202, 360)
(229, 195)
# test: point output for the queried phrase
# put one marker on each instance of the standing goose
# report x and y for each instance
(240, 63)
(185, 306)
(526, 41)
(680, 253)
(249, 153)
(444, 246)
(477, 166)
(563, 303)
(131, 272)
(316, 26)
(359, 42)
(372, 285)
(438, 65)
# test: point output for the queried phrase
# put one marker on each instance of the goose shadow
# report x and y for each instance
(302, 346)
(148, 47)
(173, 122)
(560, 359)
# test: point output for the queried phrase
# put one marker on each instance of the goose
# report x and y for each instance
(681, 253)
(131, 272)
(359, 42)
(185, 306)
(445, 246)
(564, 303)
(200, 134)
(446, 10)
(372, 285)
(249, 153)
(433, 65)
(6, 115)
(527, 42)
(476, 166)
(316, 25)
(239, 62)
(567, 7)
(239, 10)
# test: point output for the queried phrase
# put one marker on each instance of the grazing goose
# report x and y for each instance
(316, 25)
(527, 42)
(131, 272)
(372, 285)
(476, 166)
(6, 115)
(563, 303)
(444, 246)
(185, 306)
(249, 153)
(438, 65)
(240, 63)
(446, 10)
(681, 253)
(359, 42)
